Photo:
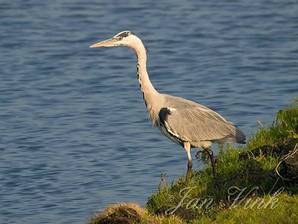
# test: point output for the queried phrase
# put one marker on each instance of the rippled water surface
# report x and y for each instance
(74, 132)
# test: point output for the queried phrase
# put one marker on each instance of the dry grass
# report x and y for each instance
(130, 213)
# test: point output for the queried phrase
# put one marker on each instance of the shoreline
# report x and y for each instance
(255, 183)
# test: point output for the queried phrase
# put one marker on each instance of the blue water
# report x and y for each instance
(74, 132)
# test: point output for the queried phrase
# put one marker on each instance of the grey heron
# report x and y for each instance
(185, 122)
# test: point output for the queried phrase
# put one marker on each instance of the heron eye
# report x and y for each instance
(124, 34)
(117, 38)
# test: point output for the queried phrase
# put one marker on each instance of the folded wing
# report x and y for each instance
(193, 122)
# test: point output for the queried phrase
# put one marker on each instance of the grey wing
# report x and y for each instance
(195, 123)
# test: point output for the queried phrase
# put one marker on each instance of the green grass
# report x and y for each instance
(239, 168)
(283, 132)
(286, 212)
(250, 169)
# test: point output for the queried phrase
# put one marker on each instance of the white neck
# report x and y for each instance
(149, 92)
(151, 97)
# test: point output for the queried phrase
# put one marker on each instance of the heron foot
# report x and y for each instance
(200, 154)
(213, 161)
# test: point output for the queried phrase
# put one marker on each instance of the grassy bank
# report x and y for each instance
(256, 183)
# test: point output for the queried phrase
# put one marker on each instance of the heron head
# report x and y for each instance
(124, 38)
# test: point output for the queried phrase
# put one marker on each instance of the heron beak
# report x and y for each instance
(105, 43)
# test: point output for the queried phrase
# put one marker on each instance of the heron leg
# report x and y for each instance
(187, 149)
(212, 160)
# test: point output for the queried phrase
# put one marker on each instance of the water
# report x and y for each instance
(75, 135)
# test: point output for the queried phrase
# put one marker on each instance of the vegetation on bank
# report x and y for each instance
(256, 183)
